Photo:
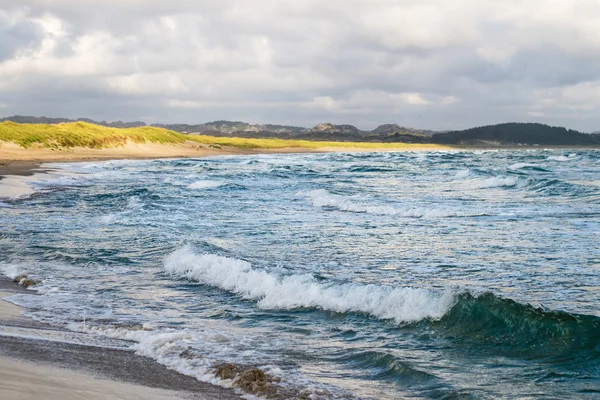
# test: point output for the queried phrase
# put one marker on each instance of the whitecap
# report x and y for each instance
(272, 291)
(462, 174)
(134, 203)
(497, 181)
(111, 218)
(521, 165)
(205, 184)
(570, 157)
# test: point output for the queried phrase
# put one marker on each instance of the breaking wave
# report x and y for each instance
(205, 184)
(497, 181)
(570, 157)
(462, 174)
(273, 291)
(484, 319)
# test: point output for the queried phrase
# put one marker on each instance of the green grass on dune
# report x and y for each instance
(83, 134)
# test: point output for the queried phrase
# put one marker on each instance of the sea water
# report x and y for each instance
(441, 275)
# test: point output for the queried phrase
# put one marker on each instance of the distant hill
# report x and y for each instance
(491, 135)
(328, 131)
(237, 128)
(517, 133)
(324, 131)
(346, 133)
(391, 129)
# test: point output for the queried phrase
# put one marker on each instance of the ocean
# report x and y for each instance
(429, 275)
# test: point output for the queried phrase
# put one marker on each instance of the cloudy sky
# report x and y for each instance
(433, 64)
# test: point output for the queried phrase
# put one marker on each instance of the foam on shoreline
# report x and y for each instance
(15, 187)
(54, 363)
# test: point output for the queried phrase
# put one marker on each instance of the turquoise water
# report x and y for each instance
(437, 275)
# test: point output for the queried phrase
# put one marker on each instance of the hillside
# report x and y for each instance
(515, 134)
(491, 135)
(324, 131)
(81, 134)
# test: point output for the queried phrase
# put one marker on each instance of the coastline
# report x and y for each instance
(19, 164)
(32, 367)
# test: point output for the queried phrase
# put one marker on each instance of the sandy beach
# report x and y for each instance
(18, 164)
(35, 366)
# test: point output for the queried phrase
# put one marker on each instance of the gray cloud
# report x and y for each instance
(429, 63)
(17, 35)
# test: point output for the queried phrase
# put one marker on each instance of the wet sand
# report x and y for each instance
(19, 168)
(34, 368)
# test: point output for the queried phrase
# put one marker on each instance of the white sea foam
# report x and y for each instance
(204, 350)
(521, 165)
(12, 270)
(112, 218)
(165, 347)
(205, 184)
(15, 187)
(134, 203)
(497, 181)
(570, 157)
(272, 291)
(462, 174)
(323, 198)
(173, 181)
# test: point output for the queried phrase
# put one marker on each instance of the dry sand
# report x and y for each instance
(32, 367)
(21, 380)
(12, 152)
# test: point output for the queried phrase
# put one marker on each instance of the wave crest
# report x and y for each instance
(497, 181)
(562, 158)
(272, 291)
(205, 185)
(520, 328)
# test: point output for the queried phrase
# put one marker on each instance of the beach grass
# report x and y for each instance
(83, 134)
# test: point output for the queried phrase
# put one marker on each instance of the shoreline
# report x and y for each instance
(18, 164)
(32, 367)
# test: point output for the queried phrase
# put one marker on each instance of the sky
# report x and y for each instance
(430, 64)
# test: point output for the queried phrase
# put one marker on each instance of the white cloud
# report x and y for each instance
(442, 63)
(584, 96)
(323, 102)
(183, 104)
